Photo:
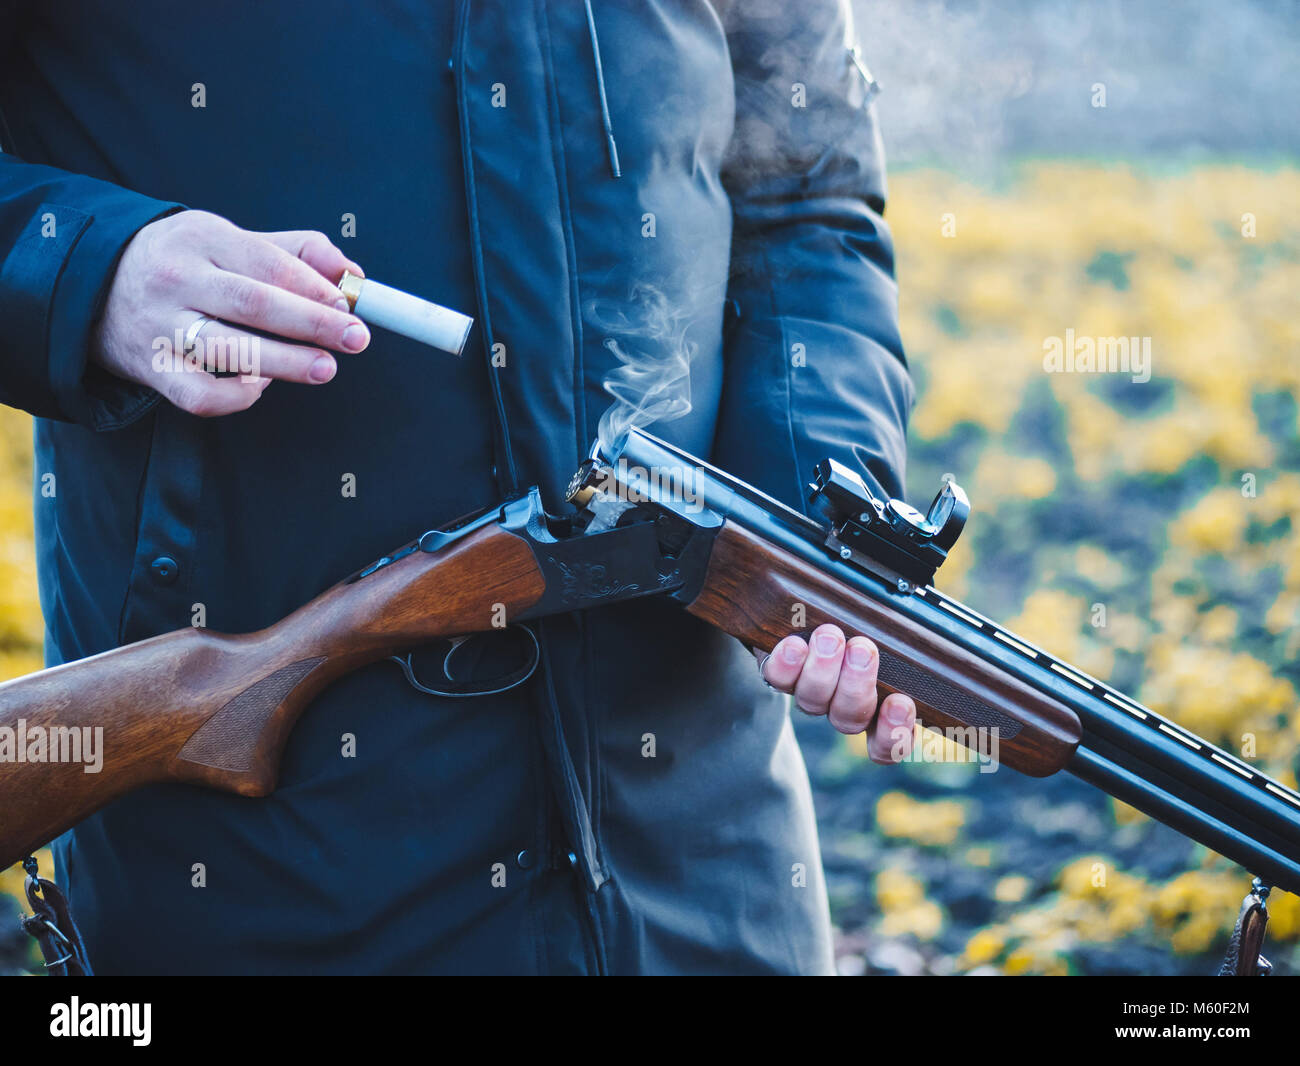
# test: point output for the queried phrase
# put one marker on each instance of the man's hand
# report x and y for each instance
(195, 264)
(837, 678)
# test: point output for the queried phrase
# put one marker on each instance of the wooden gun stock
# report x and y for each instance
(752, 587)
(216, 710)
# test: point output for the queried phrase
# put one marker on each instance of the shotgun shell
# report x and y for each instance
(421, 320)
(582, 486)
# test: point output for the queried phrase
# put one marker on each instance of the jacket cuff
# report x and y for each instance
(84, 392)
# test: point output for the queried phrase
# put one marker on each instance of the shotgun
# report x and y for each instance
(215, 710)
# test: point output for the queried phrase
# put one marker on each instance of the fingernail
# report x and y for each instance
(341, 304)
(897, 713)
(356, 337)
(322, 369)
(827, 643)
(791, 652)
(860, 656)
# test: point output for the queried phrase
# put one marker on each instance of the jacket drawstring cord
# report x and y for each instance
(610, 147)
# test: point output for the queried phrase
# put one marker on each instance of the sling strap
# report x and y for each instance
(1243, 958)
(50, 924)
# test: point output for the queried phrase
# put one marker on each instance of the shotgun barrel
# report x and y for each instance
(1122, 747)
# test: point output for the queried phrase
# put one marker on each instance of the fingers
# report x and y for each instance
(224, 347)
(891, 734)
(821, 670)
(317, 251)
(785, 662)
(256, 257)
(837, 678)
(281, 283)
(203, 395)
(854, 701)
(194, 262)
(245, 300)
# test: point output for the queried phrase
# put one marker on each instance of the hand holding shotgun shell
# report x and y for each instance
(202, 278)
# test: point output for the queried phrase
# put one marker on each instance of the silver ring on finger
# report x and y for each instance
(762, 673)
(192, 334)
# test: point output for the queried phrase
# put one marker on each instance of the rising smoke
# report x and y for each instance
(652, 383)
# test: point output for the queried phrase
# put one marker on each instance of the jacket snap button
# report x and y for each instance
(164, 569)
(524, 859)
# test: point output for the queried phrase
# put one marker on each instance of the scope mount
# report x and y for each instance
(887, 538)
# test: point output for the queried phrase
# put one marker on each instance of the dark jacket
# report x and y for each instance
(753, 222)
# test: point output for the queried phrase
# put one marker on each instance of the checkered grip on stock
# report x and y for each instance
(926, 688)
(228, 739)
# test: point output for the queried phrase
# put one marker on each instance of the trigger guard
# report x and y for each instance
(461, 689)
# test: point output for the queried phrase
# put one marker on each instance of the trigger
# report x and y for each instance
(490, 687)
(456, 643)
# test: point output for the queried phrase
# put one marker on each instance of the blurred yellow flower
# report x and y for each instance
(905, 910)
(1001, 474)
(1011, 889)
(985, 946)
(923, 920)
(1053, 620)
(897, 889)
(934, 824)
(1215, 524)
